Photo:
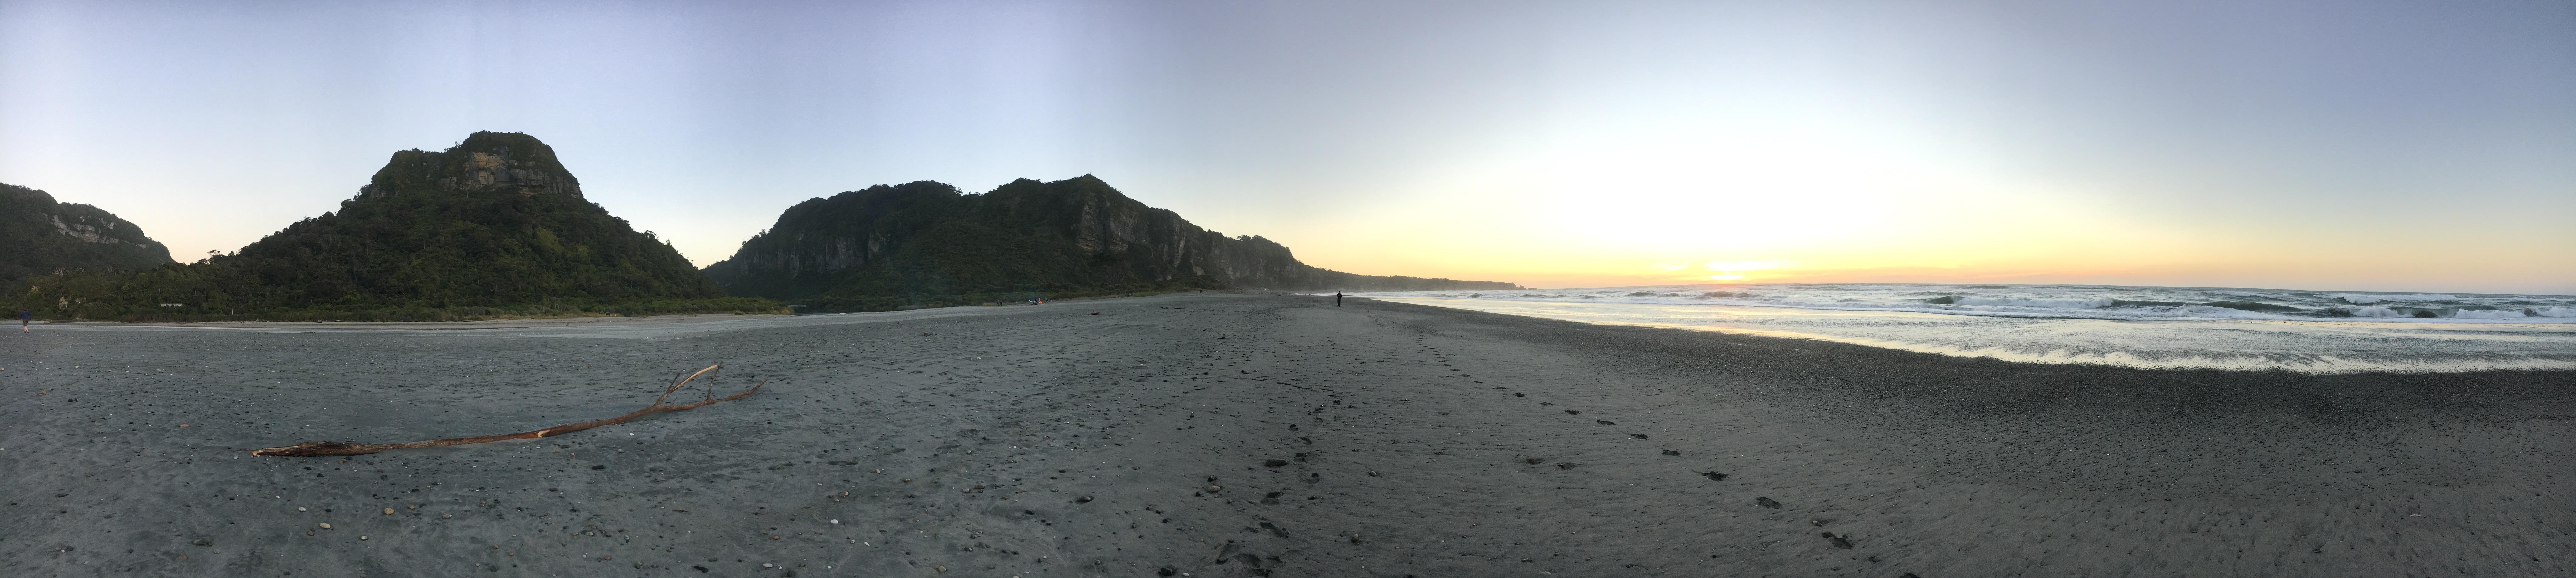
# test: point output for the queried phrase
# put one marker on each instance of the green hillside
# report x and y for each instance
(39, 236)
(929, 244)
(493, 227)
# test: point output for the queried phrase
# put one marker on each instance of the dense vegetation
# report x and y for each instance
(40, 237)
(927, 244)
(493, 227)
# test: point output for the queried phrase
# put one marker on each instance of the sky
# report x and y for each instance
(2352, 145)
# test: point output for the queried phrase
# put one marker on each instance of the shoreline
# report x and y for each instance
(2303, 346)
(1408, 440)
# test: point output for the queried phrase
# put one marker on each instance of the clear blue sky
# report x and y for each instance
(2326, 145)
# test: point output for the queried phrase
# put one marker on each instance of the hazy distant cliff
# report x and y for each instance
(910, 244)
(39, 236)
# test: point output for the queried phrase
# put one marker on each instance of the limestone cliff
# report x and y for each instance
(904, 244)
(486, 161)
(39, 236)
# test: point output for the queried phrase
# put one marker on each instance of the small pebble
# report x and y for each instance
(362, 537)
(326, 525)
(836, 521)
(389, 511)
(299, 509)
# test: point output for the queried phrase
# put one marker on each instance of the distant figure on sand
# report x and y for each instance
(25, 317)
(1337, 298)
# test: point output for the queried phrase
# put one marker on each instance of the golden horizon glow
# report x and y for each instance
(1772, 203)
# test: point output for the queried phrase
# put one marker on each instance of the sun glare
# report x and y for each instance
(1735, 270)
(1731, 266)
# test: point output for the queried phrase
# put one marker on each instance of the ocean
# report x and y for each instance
(2144, 327)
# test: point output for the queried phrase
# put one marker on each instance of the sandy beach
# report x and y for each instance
(1234, 435)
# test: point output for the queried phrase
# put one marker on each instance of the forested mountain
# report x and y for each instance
(929, 244)
(491, 227)
(40, 237)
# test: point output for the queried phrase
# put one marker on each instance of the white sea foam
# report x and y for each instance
(2188, 328)
(2093, 303)
(2369, 299)
(2071, 301)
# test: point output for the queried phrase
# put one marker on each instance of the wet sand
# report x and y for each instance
(1233, 435)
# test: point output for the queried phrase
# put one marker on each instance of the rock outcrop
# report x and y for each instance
(39, 236)
(491, 227)
(509, 162)
(901, 244)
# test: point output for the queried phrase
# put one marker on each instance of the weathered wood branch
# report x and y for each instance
(351, 448)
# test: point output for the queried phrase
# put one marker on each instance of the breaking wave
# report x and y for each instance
(2076, 301)
(2141, 327)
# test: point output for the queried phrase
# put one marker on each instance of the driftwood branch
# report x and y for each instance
(678, 381)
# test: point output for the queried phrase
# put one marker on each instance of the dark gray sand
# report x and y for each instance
(1232, 435)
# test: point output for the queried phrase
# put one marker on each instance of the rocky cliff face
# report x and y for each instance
(1072, 236)
(39, 236)
(491, 227)
(486, 161)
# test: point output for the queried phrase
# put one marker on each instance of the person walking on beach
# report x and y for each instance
(1337, 298)
(25, 317)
